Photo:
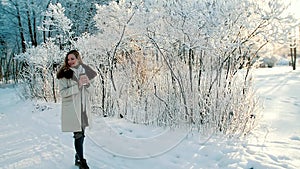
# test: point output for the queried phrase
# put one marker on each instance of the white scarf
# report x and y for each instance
(77, 72)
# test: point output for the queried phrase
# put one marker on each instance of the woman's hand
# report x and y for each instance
(83, 80)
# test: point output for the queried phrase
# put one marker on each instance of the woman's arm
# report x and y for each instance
(90, 86)
(91, 74)
(66, 90)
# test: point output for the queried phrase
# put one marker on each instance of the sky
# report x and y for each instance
(295, 8)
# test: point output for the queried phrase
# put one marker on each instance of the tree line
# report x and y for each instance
(167, 63)
(23, 26)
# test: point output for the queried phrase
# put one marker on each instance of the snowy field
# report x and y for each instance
(31, 137)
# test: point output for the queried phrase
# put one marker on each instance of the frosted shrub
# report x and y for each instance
(38, 77)
(175, 63)
(268, 62)
(183, 63)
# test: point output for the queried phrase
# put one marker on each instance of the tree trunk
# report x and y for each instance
(8, 68)
(21, 29)
(292, 58)
(16, 70)
(29, 24)
(44, 32)
(53, 84)
(44, 18)
(34, 43)
(295, 59)
(191, 61)
(1, 74)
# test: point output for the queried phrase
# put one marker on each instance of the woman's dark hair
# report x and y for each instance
(76, 54)
(65, 70)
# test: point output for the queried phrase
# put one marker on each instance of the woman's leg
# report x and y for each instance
(78, 143)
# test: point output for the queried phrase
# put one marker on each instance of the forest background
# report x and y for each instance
(167, 63)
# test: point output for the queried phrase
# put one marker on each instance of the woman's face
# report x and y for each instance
(72, 60)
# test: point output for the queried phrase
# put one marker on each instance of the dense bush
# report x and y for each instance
(174, 63)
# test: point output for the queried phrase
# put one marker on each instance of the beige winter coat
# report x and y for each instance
(71, 104)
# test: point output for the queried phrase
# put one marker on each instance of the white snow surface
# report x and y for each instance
(31, 137)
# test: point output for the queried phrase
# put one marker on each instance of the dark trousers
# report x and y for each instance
(78, 143)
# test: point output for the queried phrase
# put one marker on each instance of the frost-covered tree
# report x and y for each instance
(38, 79)
(19, 20)
(184, 61)
(81, 14)
(38, 76)
(58, 25)
(175, 63)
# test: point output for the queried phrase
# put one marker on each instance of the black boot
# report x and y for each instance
(83, 164)
(78, 143)
(77, 160)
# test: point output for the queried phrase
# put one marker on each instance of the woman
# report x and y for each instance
(75, 88)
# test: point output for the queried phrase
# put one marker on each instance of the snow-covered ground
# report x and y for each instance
(31, 138)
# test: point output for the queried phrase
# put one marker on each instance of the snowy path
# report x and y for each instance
(26, 139)
(279, 136)
(282, 100)
(31, 137)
